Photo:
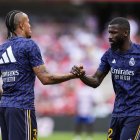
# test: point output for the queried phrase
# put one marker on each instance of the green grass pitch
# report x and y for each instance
(70, 136)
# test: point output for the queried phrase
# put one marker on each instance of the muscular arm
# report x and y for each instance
(46, 78)
(95, 80)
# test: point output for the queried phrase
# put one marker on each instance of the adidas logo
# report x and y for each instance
(7, 57)
(113, 61)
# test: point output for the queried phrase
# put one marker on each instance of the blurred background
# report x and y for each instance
(72, 32)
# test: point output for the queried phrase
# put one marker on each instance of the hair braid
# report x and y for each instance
(9, 21)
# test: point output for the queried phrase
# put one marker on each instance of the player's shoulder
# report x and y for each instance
(136, 47)
(26, 40)
(4, 45)
(107, 54)
(108, 51)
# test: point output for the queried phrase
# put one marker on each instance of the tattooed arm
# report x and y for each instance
(47, 78)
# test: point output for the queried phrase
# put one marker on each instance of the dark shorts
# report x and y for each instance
(18, 124)
(124, 128)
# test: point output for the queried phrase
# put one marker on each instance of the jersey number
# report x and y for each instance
(110, 131)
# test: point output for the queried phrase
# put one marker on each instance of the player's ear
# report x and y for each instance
(21, 26)
(126, 33)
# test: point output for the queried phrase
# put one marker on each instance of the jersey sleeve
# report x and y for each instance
(104, 64)
(34, 54)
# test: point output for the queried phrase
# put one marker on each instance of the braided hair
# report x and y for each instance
(10, 22)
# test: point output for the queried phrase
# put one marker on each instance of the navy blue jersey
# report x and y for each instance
(17, 58)
(125, 71)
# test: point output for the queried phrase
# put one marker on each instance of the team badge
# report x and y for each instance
(132, 61)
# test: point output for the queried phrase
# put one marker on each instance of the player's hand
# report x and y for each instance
(78, 71)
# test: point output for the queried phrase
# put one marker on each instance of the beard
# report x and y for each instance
(28, 36)
(115, 45)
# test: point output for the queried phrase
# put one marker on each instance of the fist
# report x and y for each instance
(78, 71)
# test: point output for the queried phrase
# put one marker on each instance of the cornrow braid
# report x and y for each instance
(9, 21)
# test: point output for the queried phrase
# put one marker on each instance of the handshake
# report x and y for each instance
(78, 71)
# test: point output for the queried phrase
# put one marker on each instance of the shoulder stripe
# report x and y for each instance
(10, 54)
(1, 61)
(5, 57)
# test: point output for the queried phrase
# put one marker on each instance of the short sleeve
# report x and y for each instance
(34, 54)
(104, 64)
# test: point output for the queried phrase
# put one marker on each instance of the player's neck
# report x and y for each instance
(19, 33)
(126, 46)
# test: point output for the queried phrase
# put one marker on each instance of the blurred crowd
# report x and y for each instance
(64, 44)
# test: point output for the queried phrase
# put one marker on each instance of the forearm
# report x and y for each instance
(56, 78)
(47, 78)
(90, 81)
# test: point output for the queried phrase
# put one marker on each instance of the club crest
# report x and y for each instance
(132, 61)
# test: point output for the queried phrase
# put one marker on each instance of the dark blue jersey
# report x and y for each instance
(18, 56)
(125, 71)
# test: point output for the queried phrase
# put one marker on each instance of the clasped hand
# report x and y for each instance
(78, 71)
